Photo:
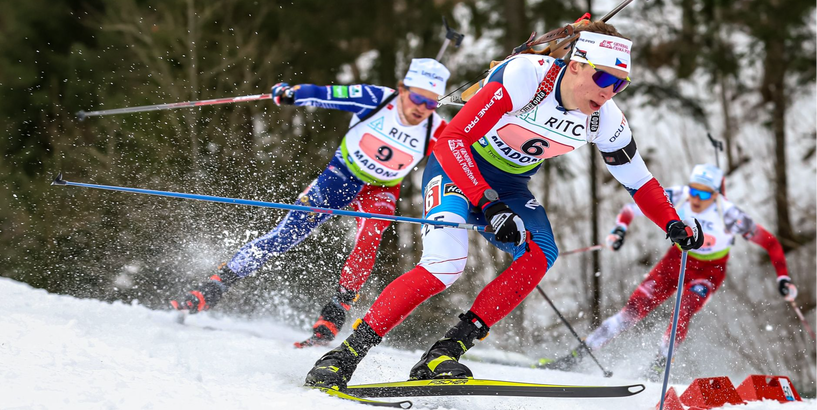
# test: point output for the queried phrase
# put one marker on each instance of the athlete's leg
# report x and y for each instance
(699, 287)
(531, 260)
(438, 268)
(334, 188)
(445, 252)
(359, 265)
(653, 290)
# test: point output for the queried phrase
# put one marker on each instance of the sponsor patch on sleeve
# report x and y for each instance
(355, 91)
(340, 91)
(451, 189)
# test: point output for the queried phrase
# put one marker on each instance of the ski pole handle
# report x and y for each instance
(82, 115)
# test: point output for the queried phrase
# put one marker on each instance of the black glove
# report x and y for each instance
(507, 225)
(207, 294)
(616, 238)
(283, 94)
(786, 288)
(687, 237)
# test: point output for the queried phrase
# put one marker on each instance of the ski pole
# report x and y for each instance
(674, 324)
(802, 319)
(580, 250)
(479, 228)
(718, 145)
(81, 115)
(450, 35)
(607, 373)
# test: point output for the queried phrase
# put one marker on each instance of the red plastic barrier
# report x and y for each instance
(710, 392)
(671, 401)
(760, 387)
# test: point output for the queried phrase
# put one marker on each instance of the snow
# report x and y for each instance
(60, 352)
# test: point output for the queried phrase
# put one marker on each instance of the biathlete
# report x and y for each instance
(721, 220)
(530, 108)
(390, 132)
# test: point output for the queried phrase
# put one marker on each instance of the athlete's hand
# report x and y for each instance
(508, 226)
(786, 288)
(685, 234)
(616, 238)
(283, 94)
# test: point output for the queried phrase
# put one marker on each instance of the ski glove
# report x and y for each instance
(507, 225)
(686, 236)
(786, 288)
(283, 94)
(616, 238)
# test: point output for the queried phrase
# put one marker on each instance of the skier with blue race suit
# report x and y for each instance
(702, 198)
(391, 131)
(530, 108)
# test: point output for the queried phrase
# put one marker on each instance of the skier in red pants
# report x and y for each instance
(391, 131)
(721, 221)
(530, 108)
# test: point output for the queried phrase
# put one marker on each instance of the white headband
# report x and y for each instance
(603, 50)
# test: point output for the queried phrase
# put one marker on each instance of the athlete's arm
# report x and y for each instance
(630, 210)
(359, 99)
(738, 222)
(476, 118)
(626, 165)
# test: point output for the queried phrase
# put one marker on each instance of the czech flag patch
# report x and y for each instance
(620, 63)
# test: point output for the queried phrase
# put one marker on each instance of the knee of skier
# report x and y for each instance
(546, 244)
(445, 250)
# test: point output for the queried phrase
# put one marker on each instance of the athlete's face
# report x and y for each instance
(583, 93)
(415, 113)
(696, 203)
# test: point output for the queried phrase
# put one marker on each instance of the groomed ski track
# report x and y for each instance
(67, 353)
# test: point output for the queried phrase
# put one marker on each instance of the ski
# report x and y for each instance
(480, 387)
(404, 404)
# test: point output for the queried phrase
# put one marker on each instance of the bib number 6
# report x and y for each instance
(535, 147)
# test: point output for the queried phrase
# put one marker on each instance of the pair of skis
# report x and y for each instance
(363, 393)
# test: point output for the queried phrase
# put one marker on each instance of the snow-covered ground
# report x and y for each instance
(59, 352)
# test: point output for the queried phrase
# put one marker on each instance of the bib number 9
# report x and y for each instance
(386, 155)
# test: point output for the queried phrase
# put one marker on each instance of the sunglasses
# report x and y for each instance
(703, 195)
(603, 79)
(418, 99)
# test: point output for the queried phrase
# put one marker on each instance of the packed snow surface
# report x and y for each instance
(59, 352)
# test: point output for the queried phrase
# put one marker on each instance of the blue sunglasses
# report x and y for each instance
(603, 79)
(703, 195)
(418, 99)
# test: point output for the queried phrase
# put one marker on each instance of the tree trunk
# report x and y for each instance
(775, 66)
(516, 23)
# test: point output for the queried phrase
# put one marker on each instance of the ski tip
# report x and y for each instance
(81, 115)
(636, 388)
(608, 374)
(58, 180)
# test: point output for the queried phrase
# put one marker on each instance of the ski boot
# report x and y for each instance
(441, 361)
(655, 371)
(565, 363)
(335, 368)
(207, 294)
(331, 320)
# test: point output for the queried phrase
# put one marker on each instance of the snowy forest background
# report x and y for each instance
(743, 70)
